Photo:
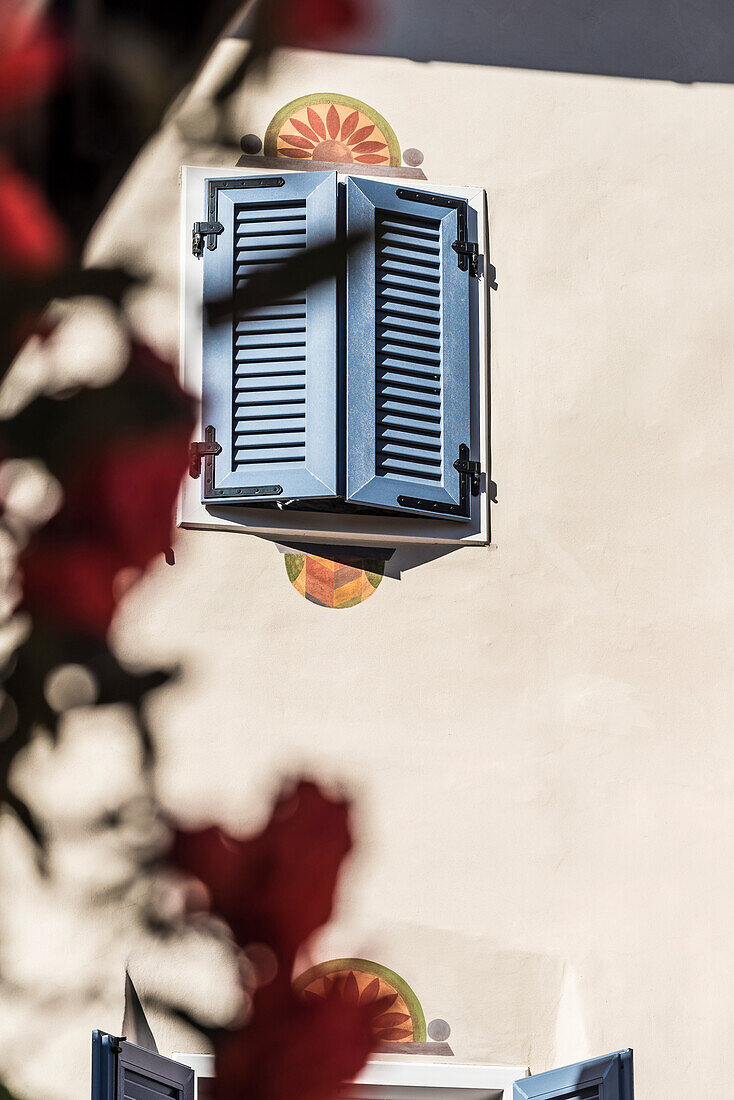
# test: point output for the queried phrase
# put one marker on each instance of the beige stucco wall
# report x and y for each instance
(538, 734)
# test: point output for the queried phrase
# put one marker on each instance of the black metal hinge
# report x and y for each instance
(208, 451)
(212, 228)
(469, 467)
(469, 481)
(467, 251)
(211, 231)
(197, 451)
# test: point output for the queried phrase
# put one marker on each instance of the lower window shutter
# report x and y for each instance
(122, 1071)
(269, 384)
(607, 1078)
(408, 350)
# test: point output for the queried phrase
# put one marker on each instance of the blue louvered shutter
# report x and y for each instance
(269, 385)
(123, 1071)
(408, 350)
(607, 1078)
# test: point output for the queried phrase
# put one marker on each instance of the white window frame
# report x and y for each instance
(326, 527)
(394, 1078)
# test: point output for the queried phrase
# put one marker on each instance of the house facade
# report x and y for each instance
(531, 706)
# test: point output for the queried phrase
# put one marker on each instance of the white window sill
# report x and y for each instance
(392, 1077)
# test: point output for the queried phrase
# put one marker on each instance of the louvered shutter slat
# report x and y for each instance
(404, 336)
(270, 376)
(288, 371)
(394, 310)
(135, 1090)
(408, 352)
(255, 419)
(264, 236)
(393, 354)
(286, 337)
(287, 322)
(248, 356)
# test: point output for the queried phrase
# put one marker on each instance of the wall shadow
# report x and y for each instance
(686, 41)
(397, 559)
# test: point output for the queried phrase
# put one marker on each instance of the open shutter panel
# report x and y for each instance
(270, 375)
(608, 1078)
(122, 1071)
(408, 350)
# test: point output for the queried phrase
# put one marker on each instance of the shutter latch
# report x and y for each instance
(470, 250)
(469, 467)
(197, 451)
(211, 230)
(466, 250)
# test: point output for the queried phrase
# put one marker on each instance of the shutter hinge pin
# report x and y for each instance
(211, 231)
(197, 451)
(469, 467)
(467, 250)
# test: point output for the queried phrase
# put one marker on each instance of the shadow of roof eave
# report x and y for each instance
(686, 43)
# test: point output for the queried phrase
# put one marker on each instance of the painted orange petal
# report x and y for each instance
(317, 122)
(392, 1019)
(368, 146)
(349, 123)
(294, 139)
(294, 153)
(360, 134)
(371, 158)
(332, 122)
(369, 993)
(351, 989)
(393, 1034)
(304, 129)
(384, 1003)
(312, 998)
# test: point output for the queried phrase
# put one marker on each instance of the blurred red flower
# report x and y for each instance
(35, 242)
(293, 1050)
(316, 22)
(117, 513)
(275, 888)
(31, 59)
(313, 23)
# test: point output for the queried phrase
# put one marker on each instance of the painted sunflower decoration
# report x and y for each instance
(399, 1025)
(360, 981)
(332, 128)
